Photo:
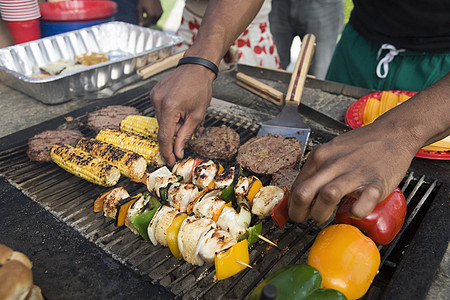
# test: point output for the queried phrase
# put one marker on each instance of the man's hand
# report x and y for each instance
(366, 163)
(152, 10)
(181, 99)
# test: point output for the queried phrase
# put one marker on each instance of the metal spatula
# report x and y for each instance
(288, 122)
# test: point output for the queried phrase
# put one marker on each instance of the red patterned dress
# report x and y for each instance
(255, 46)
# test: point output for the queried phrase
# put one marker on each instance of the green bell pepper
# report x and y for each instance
(141, 219)
(252, 235)
(297, 282)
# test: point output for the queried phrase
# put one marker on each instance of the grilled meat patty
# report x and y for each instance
(284, 177)
(267, 154)
(215, 142)
(110, 117)
(39, 145)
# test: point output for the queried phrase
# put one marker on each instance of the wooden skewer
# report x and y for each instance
(267, 240)
(243, 263)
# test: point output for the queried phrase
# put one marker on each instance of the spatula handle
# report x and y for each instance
(301, 68)
(160, 65)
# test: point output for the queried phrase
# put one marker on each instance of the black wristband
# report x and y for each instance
(199, 61)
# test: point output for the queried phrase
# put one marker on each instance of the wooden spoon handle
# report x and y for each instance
(301, 68)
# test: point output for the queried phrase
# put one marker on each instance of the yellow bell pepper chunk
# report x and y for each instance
(256, 185)
(172, 234)
(227, 261)
(347, 259)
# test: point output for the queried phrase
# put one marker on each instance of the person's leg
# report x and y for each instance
(324, 19)
(281, 30)
(5, 36)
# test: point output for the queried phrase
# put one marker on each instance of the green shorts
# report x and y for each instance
(355, 63)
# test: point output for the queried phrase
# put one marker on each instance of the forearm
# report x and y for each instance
(224, 21)
(423, 119)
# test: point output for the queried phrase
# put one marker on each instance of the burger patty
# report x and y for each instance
(110, 117)
(284, 177)
(267, 154)
(39, 146)
(216, 142)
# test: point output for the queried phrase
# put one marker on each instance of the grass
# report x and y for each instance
(348, 6)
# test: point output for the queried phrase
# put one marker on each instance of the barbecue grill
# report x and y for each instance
(142, 267)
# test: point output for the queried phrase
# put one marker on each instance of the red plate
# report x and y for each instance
(354, 119)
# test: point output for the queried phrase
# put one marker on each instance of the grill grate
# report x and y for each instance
(71, 200)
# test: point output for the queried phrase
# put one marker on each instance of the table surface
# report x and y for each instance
(51, 244)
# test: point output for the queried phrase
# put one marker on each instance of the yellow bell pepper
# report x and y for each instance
(254, 188)
(347, 259)
(172, 234)
(227, 262)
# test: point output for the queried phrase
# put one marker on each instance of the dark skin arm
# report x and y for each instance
(369, 162)
(152, 9)
(181, 98)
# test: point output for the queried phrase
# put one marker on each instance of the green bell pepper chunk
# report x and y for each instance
(228, 193)
(252, 235)
(140, 221)
(297, 282)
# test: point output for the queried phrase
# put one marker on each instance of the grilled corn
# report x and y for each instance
(85, 165)
(130, 163)
(148, 148)
(146, 127)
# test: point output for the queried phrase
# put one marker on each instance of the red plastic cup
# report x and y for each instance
(24, 31)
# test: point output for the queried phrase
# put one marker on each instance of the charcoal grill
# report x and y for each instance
(70, 200)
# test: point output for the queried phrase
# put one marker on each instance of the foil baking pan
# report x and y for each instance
(128, 47)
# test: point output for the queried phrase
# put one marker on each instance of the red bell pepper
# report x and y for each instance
(385, 221)
(280, 213)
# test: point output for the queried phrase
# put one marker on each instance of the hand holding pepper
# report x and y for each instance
(369, 162)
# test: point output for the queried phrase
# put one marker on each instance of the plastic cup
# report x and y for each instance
(24, 31)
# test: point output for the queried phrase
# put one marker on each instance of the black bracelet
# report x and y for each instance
(199, 61)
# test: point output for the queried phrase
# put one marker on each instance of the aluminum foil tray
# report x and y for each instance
(128, 46)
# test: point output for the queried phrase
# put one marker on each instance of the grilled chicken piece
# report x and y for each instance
(209, 205)
(205, 173)
(225, 178)
(233, 222)
(266, 199)
(108, 201)
(246, 189)
(213, 241)
(179, 195)
(191, 231)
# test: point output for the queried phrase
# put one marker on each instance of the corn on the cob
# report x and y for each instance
(388, 101)
(130, 163)
(439, 146)
(371, 110)
(84, 165)
(146, 127)
(148, 148)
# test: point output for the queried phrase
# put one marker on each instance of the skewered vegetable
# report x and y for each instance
(347, 259)
(204, 174)
(148, 148)
(186, 168)
(84, 165)
(246, 189)
(129, 163)
(383, 223)
(122, 209)
(146, 127)
(108, 200)
(229, 262)
(280, 213)
(172, 235)
(141, 219)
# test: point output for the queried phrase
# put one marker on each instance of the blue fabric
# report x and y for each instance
(127, 11)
